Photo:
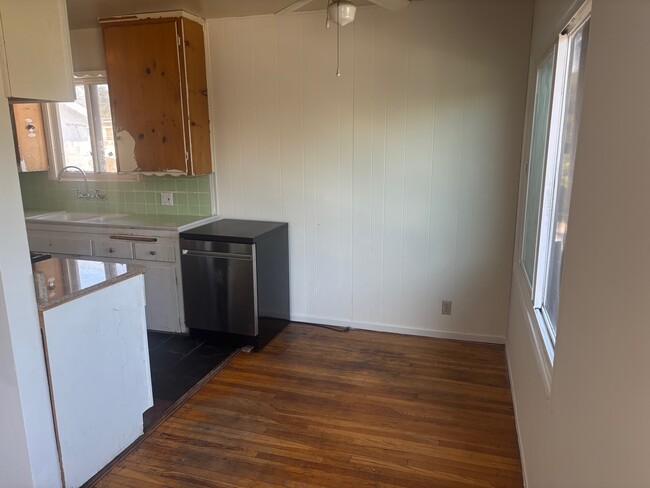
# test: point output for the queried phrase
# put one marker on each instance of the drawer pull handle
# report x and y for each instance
(111, 249)
(133, 238)
(153, 253)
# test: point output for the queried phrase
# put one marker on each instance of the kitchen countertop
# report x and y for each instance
(60, 280)
(177, 223)
(231, 230)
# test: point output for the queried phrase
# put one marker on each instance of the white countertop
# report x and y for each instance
(88, 276)
(177, 223)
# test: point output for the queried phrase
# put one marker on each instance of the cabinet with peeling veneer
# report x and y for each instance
(29, 134)
(156, 70)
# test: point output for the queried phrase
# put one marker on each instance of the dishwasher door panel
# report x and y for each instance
(219, 288)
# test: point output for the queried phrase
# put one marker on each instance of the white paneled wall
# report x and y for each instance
(398, 179)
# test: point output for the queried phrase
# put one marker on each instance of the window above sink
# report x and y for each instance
(78, 133)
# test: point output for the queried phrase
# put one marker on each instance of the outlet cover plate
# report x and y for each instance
(446, 307)
(167, 198)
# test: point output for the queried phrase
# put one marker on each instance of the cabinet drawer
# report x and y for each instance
(113, 249)
(154, 252)
(60, 245)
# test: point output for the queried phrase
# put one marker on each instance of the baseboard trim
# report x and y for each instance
(514, 406)
(397, 329)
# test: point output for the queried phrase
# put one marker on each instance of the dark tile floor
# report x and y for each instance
(177, 364)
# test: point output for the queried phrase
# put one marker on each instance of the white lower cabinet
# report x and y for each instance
(158, 251)
(100, 381)
(163, 309)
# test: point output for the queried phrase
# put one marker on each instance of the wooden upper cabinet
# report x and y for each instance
(36, 51)
(30, 137)
(158, 89)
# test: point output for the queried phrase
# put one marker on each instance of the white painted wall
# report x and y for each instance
(593, 431)
(399, 179)
(87, 50)
(28, 455)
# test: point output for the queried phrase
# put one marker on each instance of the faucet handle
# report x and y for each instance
(99, 195)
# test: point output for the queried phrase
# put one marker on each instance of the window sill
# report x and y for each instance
(541, 341)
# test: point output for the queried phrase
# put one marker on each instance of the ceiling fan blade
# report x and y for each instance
(293, 6)
(393, 5)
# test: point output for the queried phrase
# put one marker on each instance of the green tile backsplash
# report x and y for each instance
(192, 195)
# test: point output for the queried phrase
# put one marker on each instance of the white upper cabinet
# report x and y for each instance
(35, 51)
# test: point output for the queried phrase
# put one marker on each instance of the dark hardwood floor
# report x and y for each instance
(319, 408)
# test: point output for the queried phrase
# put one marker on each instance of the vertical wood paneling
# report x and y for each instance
(399, 178)
(378, 157)
(233, 117)
(291, 127)
(397, 72)
(362, 171)
(414, 301)
(269, 168)
(451, 62)
(346, 172)
(220, 123)
(308, 62)
(246, 82)
(328, 168)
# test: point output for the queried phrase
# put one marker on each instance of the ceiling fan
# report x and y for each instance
(342, 13)
(389, 4)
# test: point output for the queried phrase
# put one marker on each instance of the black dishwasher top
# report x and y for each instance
(232, 230)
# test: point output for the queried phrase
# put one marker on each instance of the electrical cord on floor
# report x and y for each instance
(335, 328)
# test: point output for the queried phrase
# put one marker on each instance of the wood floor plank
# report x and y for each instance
(320, 408)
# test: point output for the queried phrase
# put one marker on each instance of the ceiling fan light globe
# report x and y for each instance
(342, 12)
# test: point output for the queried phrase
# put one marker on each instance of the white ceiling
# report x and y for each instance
(84, 13)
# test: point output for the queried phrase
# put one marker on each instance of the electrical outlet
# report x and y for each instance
(446, 307)
(166, 198)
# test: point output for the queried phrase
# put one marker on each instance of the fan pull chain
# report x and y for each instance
(327, 10)
(338, 44)
(338, 33)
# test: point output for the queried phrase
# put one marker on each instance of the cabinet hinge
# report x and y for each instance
(178, 40)
(187, 156)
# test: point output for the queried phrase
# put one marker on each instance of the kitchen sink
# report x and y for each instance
(75, 217)
(104, 218)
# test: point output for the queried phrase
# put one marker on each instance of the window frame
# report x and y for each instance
(532, 293)
(547, 198)
(551, 53)
(55, 140)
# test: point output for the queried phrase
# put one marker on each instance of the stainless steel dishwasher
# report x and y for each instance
(236, 281)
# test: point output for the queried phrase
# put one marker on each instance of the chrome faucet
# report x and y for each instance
(86, 194)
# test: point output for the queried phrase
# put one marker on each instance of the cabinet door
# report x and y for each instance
(36, 50)
(52, 278)
(198, 120)
(143, 70)
(161, 290)
(30, 137)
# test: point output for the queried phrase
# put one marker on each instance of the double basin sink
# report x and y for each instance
(85, 217)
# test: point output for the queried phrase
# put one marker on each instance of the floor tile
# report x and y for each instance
(156, 339)
(177, 364)
(163, 360)
(180, 344)
(212, 350)
(196, 366)
(167, 386)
